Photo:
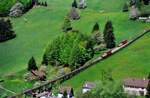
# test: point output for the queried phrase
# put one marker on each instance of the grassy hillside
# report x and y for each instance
(132, 61)
(44, 24)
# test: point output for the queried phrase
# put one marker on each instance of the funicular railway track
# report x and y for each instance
(91, 62)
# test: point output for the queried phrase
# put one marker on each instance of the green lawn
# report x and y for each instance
(44, 24)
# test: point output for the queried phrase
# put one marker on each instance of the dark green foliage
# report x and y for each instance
(95, 27)
(6, 31)
(5, 5)
(65, 94)
(67, 25)
(109, 35)
(72, 92)
(125, 8)
(148, 90)
(45, 4)
(32, 64)
(69, 50)
(45, 60)
(146, 2)
(74, 4)
(148, 76)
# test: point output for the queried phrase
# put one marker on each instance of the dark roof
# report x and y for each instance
(65, 88)
(136, 82)
(89, 85)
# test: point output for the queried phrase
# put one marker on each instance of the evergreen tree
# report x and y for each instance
(6, 31)
(125, 8)
(65, 94)
(45, 4)
(148, 90)
(95, 27)
(72, 93)
(32, 64)
(149, 76)
(146, 2)
(45, 59)
(67, 25)
(109, 37)
(74, 4)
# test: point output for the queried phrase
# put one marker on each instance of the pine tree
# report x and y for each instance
(32, 64)
(45, 4)
(74, 4)
(45, 60)
(109, 37)
(95, 27)
(6, 31)
(148, 90)
(125, 8)
(67, 25)
(148, 76)
(146, 2)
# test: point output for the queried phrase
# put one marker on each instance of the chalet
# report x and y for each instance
(68, 89)
(135, 86)
(88, 86)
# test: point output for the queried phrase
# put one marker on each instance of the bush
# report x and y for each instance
(69, 50)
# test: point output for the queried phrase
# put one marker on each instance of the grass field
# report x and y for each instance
(44, 24)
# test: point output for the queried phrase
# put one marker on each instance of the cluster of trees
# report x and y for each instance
(6, 31)
(70, 49)
(5, 5)
(107, 37)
